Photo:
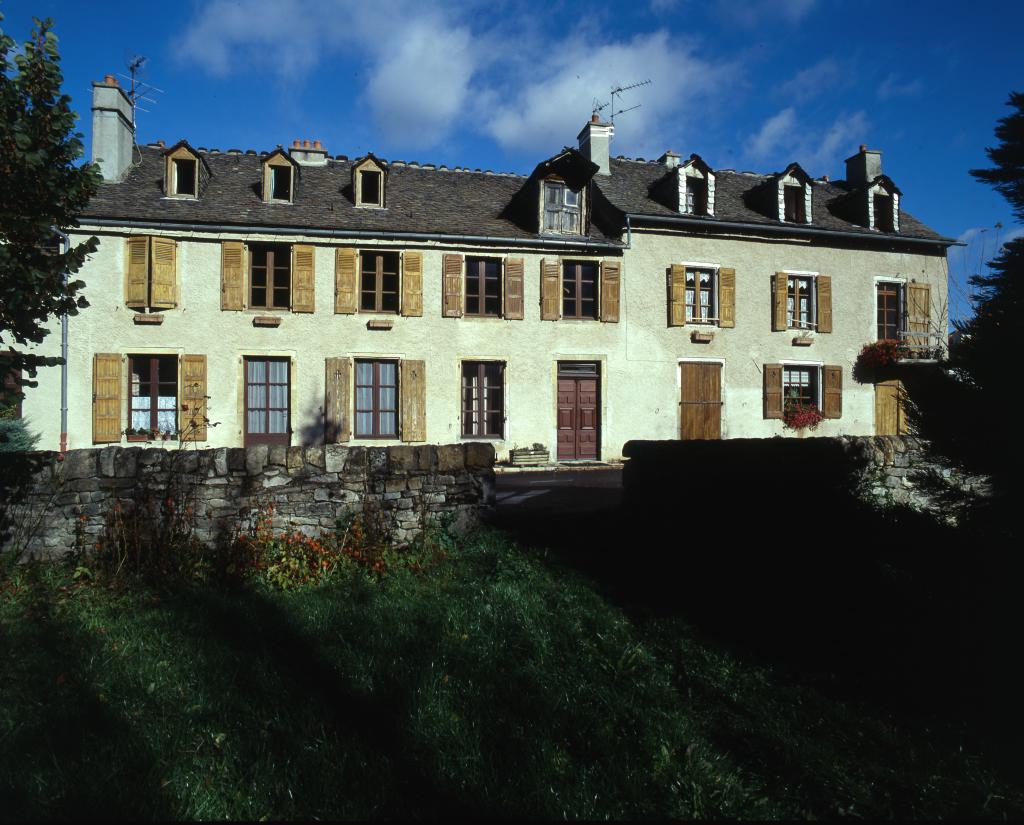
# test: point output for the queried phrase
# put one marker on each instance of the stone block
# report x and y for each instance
(335, 456)
(479, 454)
(152, 457)
(236, 459)
(321, 494)
(377, 461)
(277, 455)
(450, 457)
(220, 461)
(256, 459)
(355, 464)
(315, 457)
(275, 481)
(80, 464)
(402, 458)
(392, 496)
(108, 461)
(426, 457)
(394, 485)
(294, 459)
(414, 482)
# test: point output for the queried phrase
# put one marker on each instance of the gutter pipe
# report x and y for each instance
(66, 243)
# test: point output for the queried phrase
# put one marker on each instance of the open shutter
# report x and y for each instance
(345, 265)
(823, 289)
(336, 400)
(677, 296)
(773, 391)
(832, 392)
(780, 318)
(452, 275)
(412, 284)
(610, 288)
(726, 298)
(514, 276)
(165, 266)
(413, 386)
(136, 276)
(192, 420)
(232, 275)
(550, 290)
(918, 315)
(106, 398)
(303, 278)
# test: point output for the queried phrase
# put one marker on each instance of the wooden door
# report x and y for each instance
(890, 417)
(700, 407)
(579, 426)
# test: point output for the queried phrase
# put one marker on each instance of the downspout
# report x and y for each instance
(66, 243)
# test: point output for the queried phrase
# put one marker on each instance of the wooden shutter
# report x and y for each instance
(337, 426)
(677, 296)
(413, 386)
(232, 275)
(106, 398)
(823, 290)
(452, 276)
(346, 264)
(832, 392)
(918, 315)
(780, 318)
(136, 275)
(773, 391)
(610, 289)
(550, 290)
(890, 418)
(412, 284)
(165, 266)
(193, 398)
(727, 298)
(514, 276)
(303, 278)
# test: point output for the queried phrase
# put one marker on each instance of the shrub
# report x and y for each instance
(15, 437)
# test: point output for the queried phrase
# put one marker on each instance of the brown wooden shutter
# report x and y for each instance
(232, 275)
(164, 284)
(106, 398)
(136, 275)
(515, 305)
(780, 316)
(918, 315)
(823, 289)
(452, 276)
(726, 298)
(346, 264)
(303, 278)
(413, 387)
(192, 420)
(610, 290)
(550, 290)
(773, 391)
(677, 296)
(412, 284)
(337, 427)
(889, 413)
(832, 392)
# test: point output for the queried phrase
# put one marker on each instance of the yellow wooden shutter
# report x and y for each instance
(194, 407)
(514, 277)
(337, 427)
(413, 387)
(610, 289)
(232, 275)
(823, 289)
(918, 315)
(412, 284)
(550, 290)
(165, 267)
(889, 408)
(773, 391)
(452, 275)
(677, 296)
(780, 316)
(726, 298)
(303, 278)
(106, 398)
(136, 275)
(832, 392)
(346, 263)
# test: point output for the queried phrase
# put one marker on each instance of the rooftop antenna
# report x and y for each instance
(618, 90)
(138, 89)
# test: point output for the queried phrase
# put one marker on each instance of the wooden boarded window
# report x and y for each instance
(579, 290)
(376, 402)
(412, 284)
(700, 406)
(267, 401)
(153, 395)
(483, 287)
(232, 280)
(106, 398)
(270, 276)
(337, 426)
(483, 399)
(561, 208)
(514, 300)
(378, 289)
(151, 268)
(611, 277)
(889, 306)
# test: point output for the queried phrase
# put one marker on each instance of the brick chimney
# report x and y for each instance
(863, 167)
(595, 139)
(112, 134)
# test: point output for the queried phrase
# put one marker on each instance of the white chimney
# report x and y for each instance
(863, 167)
(112, 134)
(594, 143)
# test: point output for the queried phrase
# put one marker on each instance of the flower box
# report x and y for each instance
(699, 337)
(802, 341)
(530, 456)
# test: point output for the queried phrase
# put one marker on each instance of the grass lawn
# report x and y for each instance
(500, 683)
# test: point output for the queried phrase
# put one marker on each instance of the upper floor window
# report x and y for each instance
(184, 171)
(793, 197)
(561, 208)
(379, 282)
(280, 183)
(700, 295)
(270, 276)
(889, 304)
(184, 182)
(883, 210)
(579, 289)
(696, 196)
(800, 304)
(483, 286)
(800, 385)
(279, 178)
(368, 182)
(370, 190)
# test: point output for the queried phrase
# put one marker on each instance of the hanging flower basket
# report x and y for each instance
(801, 416)
(880, 354)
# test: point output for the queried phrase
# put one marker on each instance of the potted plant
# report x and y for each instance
(530, 456)
(801, 417)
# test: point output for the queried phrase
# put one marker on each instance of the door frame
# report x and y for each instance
(598, 363)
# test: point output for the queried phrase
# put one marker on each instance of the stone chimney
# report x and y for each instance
(594, 143)
(112, 134)
(670, 160)
(863, 167)
(305, 153)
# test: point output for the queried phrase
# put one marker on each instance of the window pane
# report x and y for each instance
(552, 219)
(254, 421)
(257, 397)
(387, 372)
(257, 371)
(387, 423)
(387, 398)
(279, 372)
(364, 372)
(364, 423)
(278, 396)
(553, 194)
(364, 398)
(278, 421)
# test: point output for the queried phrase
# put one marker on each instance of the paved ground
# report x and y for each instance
(564, 491)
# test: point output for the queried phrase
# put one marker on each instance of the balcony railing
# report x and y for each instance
(921, 346)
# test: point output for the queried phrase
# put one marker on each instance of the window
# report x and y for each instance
(483, 399)
(370, 188)
(800, 301)
(376, 399)
(270, 276)
(700, 295)
(379, 282)
(883, 213)
(794, 203)
(154, 394)
(696, 196)
(889, 301)
(267, 403)
(800, 386)
(579, 289)
(483, 287)
(561, 208)
(185, 177)
(280, 183)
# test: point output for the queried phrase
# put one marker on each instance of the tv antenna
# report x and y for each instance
(138, 89)
(618, 90)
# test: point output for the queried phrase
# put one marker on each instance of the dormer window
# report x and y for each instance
(883, 213)
(561, 208)
(184, 172)
(696, 196)
(279, 178)
(280, 183)
(184, 182)
(793, 197)
(369, 192)
(368, 182)
(696, 187)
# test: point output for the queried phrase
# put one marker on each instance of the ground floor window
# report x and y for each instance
(267, 395)
(800, 386)
(376, 399)
(154, 394)
(483, 399)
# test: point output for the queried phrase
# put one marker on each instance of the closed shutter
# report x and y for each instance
(773, 391)
(677, 296)
(610, 288)
(106, 398)
(232, 275)
(780, 318)
(832, 392)
(345, 265)
(550, 290)
(889, 413)
(165, 266)
(192, 420)
(727, 298)
(514, 301)
(412, 284)
(136, 276)
(452, 276)
(413, 388)
(337, 427)
(823, 289)
(303, 278)
(918, 315)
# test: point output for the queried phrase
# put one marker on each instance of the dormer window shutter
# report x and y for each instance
(412, 284)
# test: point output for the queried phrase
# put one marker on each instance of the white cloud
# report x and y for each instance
(891, 88)
(774, 133)
(824, 76)
(783, 139)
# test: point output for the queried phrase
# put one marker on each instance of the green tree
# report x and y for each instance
(43, 190)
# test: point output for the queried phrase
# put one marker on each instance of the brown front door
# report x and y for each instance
(579, 418)
(700, 408)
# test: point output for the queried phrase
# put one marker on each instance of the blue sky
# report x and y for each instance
(499, 85)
